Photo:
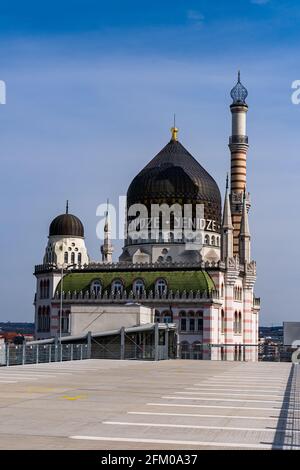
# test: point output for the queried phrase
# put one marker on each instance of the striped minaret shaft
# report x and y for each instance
(238, 144)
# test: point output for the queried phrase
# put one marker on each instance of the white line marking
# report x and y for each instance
(216, 406)
(242, 389)
(8, 381)
(177, 442)
(25, 375)
(196, 415)
(246, 381)
(197, 426)
(230, 394)
(262, 377)
(206, 389)
(18, 378)
(226, 399)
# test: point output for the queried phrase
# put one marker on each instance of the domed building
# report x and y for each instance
(176, 181)
(66, 241)
(186, 256)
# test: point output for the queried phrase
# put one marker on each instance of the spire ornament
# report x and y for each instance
(239, 93)
(174, 130)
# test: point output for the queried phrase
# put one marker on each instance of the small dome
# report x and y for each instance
(66, 225)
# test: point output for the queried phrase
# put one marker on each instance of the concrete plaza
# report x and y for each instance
(175, 404)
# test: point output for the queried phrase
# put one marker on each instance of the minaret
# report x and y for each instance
(107, 248)
(227, 228)
(245, 243)
(238, 144)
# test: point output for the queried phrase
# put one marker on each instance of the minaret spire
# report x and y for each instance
(107, 248)
(227, 227)
(67, 207)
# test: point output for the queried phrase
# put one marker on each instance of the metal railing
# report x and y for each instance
(12, 355)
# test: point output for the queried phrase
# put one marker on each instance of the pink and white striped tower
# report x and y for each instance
(249, 318)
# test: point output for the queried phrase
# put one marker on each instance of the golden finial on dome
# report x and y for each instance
(174, 130)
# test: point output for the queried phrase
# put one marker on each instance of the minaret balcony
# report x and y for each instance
(238, 139)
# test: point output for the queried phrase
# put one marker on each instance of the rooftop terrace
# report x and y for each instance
(106, 404)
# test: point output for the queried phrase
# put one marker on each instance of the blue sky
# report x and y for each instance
(91, 90)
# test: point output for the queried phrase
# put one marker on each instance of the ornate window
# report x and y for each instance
(138, 287)
(79, 258)
(96, 287)
(161, 287)
(117, 286)
(72, 257)
(66, 257)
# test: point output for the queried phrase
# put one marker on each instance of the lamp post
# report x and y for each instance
(63, 267)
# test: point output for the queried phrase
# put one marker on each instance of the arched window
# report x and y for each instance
(167, 317)
(65, 321)
(222, 321)
(47, 326)
(79, 258)
(183, 321)
(206, 240)
(43, 326)
(199, 319)
(138, 287)
(47, 288)
(117, 286)
(41, 289)
(66, 257)
(235, 324)
(161, 287)
(240, 323)
(213, 240)
(96, 287)
(192, 322)
(72, 257)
